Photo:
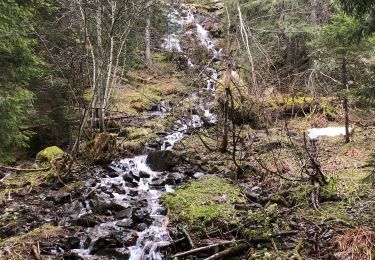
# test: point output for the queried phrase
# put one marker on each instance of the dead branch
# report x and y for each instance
(188, 238)
(3, 167)
(228, 251)
(204, 248)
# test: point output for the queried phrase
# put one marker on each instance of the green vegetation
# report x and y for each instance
(205, 202)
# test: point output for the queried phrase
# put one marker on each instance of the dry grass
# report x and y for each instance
(20, 247)
(356, 244)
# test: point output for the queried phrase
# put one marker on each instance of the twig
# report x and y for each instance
(188, 238)
(202, 249)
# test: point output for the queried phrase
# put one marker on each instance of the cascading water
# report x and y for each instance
(135, 177)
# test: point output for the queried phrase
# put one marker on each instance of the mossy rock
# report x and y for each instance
(49, 154)
(202, 203)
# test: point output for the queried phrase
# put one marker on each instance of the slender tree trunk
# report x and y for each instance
(228, 80)
(148, 41)
(345, 101)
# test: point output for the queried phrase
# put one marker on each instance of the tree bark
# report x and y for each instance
(148, 55)
(345, 101)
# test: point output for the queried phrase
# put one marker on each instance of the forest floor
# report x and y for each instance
(262, 213)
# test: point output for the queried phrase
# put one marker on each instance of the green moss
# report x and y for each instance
(49, 154)
(133, 133)
(204, 202)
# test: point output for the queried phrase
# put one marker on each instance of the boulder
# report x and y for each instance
(49, 154)
(162, 160)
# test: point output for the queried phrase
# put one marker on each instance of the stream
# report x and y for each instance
(136, 188)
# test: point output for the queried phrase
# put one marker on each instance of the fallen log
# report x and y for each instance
(228, 251)
(205, 248)
(7, 168)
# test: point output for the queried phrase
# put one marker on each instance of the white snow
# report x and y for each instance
(314, 133)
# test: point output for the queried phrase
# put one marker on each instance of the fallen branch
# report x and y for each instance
(228, 251)
(204, 248)
(188, 238)
(7, 168)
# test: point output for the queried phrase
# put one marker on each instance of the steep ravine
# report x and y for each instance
(133, 186)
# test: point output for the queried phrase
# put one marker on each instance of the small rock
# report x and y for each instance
(104, 243)
(141, 215)
(131, 239)
(198, 175)
(173, 178)
(125, 213)
(87, 220)
(114, 253)
(141, 227)
(72, 243)
(2, 175)
(157, 181)
(133, 192)
(113, 174)
(125, 223)
(143, 174)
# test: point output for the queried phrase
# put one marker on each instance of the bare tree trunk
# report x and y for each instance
(228, 80)
(148, 41)
(345, 101)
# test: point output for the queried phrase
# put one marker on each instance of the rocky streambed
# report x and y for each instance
(122, 211)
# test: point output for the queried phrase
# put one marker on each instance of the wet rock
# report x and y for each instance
(131, 239)
(125, 213)
(125, 223)
(87, 220)
(141, 227)
(143, 174)
(141, 215)
(104, 243)
(71, 243)
(2, 175)
(131, 184)
(118, 189)
(114, 253)
(72, 256)
(130, 177)
(87, 243)
(113, 174)
(102, 206)
(133, 192)
(173, 178)
(162, 160)
(157, 182)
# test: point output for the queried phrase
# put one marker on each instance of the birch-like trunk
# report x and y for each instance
(148, 41)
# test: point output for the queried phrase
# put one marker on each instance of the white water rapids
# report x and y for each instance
(156, 235)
